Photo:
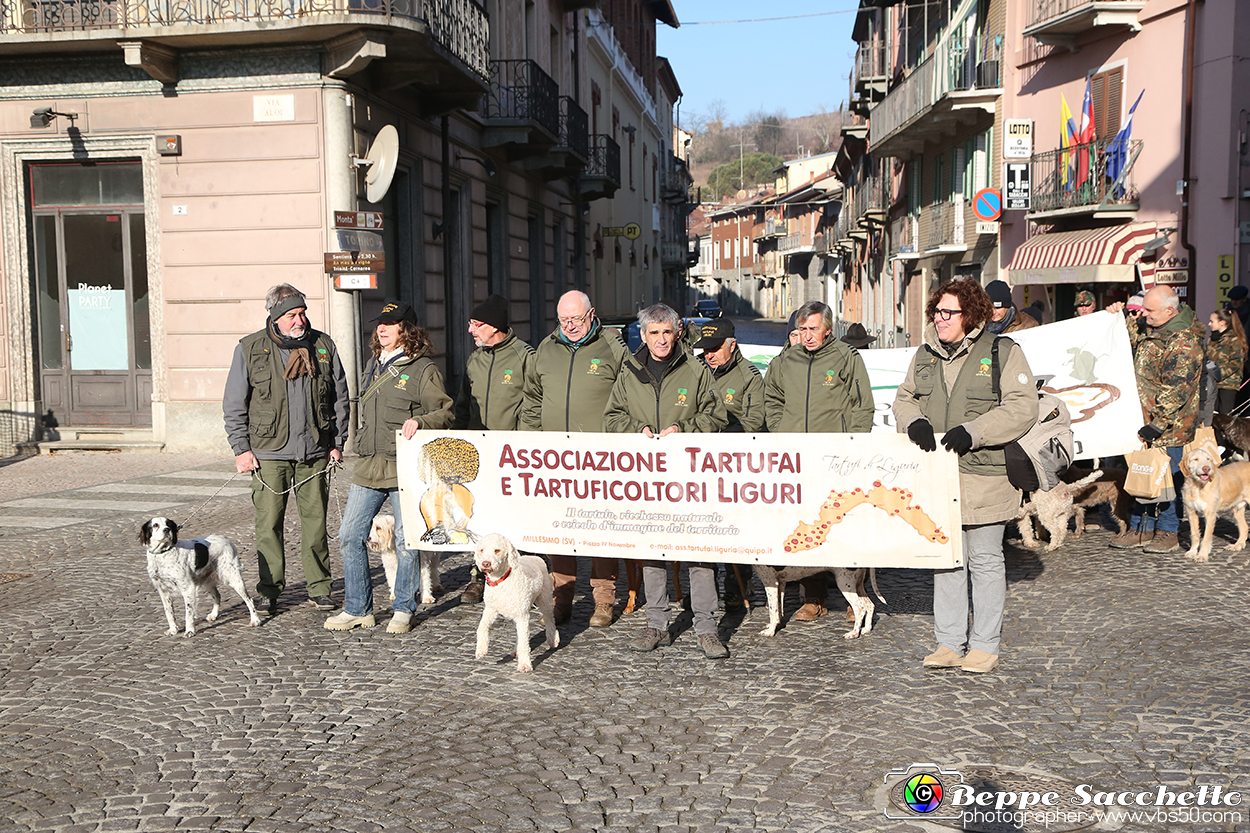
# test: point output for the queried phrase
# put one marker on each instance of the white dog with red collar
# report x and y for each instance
(514, 584)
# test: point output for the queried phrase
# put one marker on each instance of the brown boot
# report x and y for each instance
(1130, 540)
(602, 617)
(1163, 542)
(810, 612)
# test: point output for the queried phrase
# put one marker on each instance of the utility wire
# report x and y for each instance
(765, 19)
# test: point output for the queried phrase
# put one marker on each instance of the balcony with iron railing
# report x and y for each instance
(905, 237)
(1095, 179)
(870, 200)
(677, 254)
(959, 83)
(602, 175)
(775, 228)
(946, 227)
(871, 77)
(675, 181)
(446, 39)
(796, 244)
(569, 154)
(522, 108)
(1059, 22)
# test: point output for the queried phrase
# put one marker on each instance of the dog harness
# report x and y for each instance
(500, 580)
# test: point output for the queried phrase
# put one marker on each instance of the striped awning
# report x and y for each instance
(1100, 255)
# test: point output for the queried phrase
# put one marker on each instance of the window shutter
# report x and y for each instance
(1115, 91)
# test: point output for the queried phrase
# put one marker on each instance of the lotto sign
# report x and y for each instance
(987, 205)
(1224, 278)
(1017, 191)
(1018, 139)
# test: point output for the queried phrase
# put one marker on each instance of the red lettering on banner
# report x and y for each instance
(525, 481)
(505, 457)
(505, 485)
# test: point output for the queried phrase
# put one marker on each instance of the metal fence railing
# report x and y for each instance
(521, 91)
(605, 159)
(574, 127)
(1042, 10)
(1095, 173)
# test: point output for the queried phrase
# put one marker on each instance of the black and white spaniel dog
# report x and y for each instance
(187, 567)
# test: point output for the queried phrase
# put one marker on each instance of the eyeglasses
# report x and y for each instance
(945, 314)
(575, 320)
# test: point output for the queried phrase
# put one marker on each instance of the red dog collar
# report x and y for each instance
(500, 580)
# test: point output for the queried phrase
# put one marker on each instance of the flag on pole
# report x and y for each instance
(1084, 137)
(1067, 137)
(1117, 149)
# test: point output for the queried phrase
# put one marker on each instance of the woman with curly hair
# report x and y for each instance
(402, 391)
(949, 390)
(1227, 348)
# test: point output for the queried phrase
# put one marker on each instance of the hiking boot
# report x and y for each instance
(650, 639)
(979, 662)
(1128, 540)
(712, 647)
(322, 602)
(1163, 542)
(473, 591)
(344, 621)
(943, 657)
(602, 617)
(273, 606)
(810, 612)
(401, 622)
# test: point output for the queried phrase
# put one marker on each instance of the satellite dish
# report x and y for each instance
(382, 159)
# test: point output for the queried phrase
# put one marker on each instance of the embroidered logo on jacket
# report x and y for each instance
(594, 367)
(681, 397)
(829, 378)
(507, 377)
(729, 396)
(402, 382)
(984, 369)
(323, 355)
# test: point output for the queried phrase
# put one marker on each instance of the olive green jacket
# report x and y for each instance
(408, 388)
(739, 388)
(567, 387)
(492, 391)
(685, 397)
(825, 391)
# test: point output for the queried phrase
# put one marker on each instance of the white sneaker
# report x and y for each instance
(344, 621)
(401, 622)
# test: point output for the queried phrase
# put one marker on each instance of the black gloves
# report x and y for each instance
(921, 433)
(1149, 433)
(957, 440)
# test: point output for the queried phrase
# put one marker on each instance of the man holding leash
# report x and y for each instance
(491, 392)
(286, 408)
(566, 389)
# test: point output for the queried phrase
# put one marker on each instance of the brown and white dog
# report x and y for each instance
(1108, 488)
(850, 582)
(514, 584)
(382, 541)
(1210, 488)
(1053, 509)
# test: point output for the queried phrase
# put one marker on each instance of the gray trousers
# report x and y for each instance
(983, 558)
(702, 595)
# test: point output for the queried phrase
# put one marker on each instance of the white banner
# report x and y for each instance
(853, 500)
(1087, 362)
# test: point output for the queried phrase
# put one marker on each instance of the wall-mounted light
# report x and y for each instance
(1156, 243)
(43, 116)
(488, 164)
(630, 129)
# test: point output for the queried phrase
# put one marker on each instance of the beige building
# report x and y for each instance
(158, 175)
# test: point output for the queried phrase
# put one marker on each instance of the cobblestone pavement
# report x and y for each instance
(1122, 670)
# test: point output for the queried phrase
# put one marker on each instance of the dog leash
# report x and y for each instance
(328, 472)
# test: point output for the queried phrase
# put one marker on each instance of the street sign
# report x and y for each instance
(1225, 277)
(358, 219)
(1017, 189)
(629, 232)
(354, 240)
(1018, 139)
(1172, 277)
(987, 204)
(362, 281)
(355, 262)
(987, 227)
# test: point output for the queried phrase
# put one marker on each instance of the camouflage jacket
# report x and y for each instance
(1229, 356)
(1169, 364)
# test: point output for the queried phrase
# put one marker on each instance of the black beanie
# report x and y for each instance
(492, 311)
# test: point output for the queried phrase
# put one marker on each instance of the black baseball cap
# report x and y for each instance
(713, 333)
(396, 311)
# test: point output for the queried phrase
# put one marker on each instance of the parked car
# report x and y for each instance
(707, 308)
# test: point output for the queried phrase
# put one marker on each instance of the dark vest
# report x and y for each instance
(268, 414)
(971, 396)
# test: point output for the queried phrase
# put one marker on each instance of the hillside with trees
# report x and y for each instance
(727, 157)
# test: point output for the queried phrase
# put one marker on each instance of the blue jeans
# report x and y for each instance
(1168, 518)
(363, 504)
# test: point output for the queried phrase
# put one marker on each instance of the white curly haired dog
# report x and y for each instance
(514, 584)
(382, 541)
